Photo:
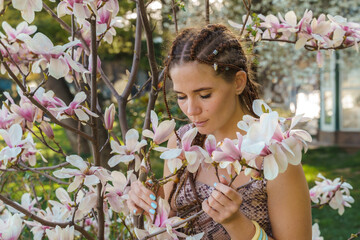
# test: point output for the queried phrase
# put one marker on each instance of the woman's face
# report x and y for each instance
(210, 102)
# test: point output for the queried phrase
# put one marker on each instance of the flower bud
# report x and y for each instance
(109, 117)
(46, 128)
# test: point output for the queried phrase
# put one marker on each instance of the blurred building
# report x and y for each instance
(340, 100)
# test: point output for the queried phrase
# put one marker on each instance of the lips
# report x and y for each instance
(200, 123)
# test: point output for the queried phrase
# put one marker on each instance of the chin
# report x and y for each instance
(204, 131)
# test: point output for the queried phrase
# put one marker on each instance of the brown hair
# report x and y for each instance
(217, 46)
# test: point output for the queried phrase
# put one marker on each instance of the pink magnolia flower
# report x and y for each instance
(11, 33)
(89, 176)
(127, 152)
(27, 8)
(59, 233)
(68, 7)
(13, 139)
(52, 57)
(161, 132)
(117, 193)
(267, 139)
(30, 151)
(47, 99)
(47, 129)
(11, 227)
(334, 190)
(6, 118)
(109, 117)
(26, 202)
(74, 108)
(193, 156)
(229, 154)
(162, 220)
(25, 109)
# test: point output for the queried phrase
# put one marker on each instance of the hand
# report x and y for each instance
(141, 200)
(223, 205)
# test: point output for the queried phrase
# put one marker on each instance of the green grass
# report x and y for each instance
(334, 162)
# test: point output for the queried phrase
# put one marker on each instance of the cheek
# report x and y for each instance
(182, 106)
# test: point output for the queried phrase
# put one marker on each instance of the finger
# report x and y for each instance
(228, 192)
(214, 204)
(224, 180)
(221, 198)
(149, 197)
(133, 208)
(207, 209)
(143, 197)
(139, 202)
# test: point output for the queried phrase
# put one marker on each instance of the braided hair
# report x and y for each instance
(217, 46)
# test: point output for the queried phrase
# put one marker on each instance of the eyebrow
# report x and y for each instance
(197, 90)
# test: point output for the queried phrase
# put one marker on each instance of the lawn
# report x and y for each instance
(334, 162)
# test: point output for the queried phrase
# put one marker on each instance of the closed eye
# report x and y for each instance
(206, 96)
(181, 97)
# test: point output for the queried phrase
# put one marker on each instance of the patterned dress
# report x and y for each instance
(254, 206)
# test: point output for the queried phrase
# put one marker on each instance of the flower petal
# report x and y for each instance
(271, 169)
(77, 161)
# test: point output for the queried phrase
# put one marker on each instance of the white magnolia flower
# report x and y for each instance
(316, 232)
(128, 152)
(84, 174)
(59, 233)
(161, 132)
(11, 227)
(28, 8)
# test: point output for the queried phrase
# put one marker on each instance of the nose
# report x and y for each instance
(193, 107)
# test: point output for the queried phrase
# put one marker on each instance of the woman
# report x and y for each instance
(212, 80)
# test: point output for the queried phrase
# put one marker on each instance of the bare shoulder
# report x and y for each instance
(289, 204)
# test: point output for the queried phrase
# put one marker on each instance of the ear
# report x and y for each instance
(240, 82)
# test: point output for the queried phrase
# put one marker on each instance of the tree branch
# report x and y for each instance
(133, 74)
(152, 62)
(207, 12)
(174, 14)
(94, 127)
(23, 166)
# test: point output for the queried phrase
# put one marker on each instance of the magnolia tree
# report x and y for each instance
(91, 199)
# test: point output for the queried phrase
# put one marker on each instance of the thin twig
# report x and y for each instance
(174, 14)
(207, 12)
(50, 167)
(16, 65)
(140, 90)
(23, 166)
(126, 226)
(248, 12)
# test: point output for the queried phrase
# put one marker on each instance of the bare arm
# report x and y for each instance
(288, 202)
(289, 205)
